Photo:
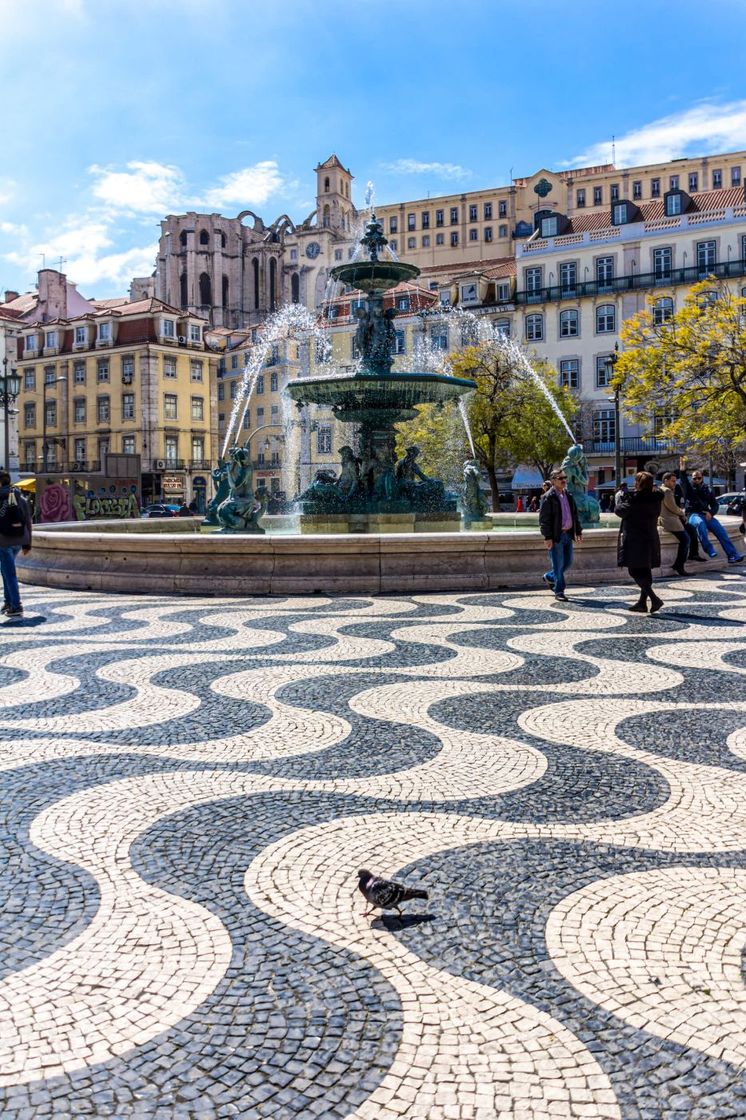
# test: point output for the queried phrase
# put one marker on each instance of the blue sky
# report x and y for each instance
(117, 112)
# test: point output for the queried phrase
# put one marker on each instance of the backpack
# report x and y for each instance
(12, 521)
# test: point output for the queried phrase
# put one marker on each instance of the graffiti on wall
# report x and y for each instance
(88, 500)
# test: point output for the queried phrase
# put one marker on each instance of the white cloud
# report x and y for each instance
(416, 167)
(83, 251)
(251, 186)
(702, 129)
(145, 187)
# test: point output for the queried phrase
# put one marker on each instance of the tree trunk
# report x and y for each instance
(492, 475)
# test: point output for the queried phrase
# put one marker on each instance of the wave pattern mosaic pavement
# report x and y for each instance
(189, 787)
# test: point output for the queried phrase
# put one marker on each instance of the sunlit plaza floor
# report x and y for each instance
(190, 786)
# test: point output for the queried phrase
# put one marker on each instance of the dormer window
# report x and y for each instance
(195, 332)
(51, 340)
(675, 202)
(80, 336)
(31, 342)
(624, 212)
(168, 328)
(549, 224)
(104, 332)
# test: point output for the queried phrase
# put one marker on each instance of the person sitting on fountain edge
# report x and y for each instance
(560, 527)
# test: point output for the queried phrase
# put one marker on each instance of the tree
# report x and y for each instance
(511, 418)
(689, 370)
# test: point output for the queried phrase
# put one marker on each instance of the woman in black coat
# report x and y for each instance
(639, 547)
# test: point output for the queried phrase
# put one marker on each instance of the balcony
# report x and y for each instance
(633, 445)
(75, 466)
(636, 280)
(200, 464)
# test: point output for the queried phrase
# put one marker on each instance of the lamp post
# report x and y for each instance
(10, 390)
(44, 448)
(611, 362)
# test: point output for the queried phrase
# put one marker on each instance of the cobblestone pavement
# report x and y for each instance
(190, 786)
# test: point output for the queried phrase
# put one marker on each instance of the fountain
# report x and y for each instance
(375, 492)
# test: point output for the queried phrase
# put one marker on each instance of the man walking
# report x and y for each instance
(701, 507)
(15, 534)
(560, 527)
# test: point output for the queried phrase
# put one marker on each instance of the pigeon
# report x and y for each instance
(383, 893)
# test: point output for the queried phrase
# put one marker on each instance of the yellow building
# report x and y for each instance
(132, 380)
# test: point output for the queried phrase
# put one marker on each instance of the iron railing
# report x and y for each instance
(661, 279)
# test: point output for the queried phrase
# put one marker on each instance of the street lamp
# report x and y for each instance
(10, 390)
(44, 447)
(610, 363)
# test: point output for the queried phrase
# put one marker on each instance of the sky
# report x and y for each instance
(116, 113)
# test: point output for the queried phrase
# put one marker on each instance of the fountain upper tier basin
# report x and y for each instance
(352, 398)
(374, 276)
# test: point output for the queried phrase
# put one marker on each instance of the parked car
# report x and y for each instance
(159, 509)
(726, 500)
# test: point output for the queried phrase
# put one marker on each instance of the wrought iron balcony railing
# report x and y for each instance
(663, 278)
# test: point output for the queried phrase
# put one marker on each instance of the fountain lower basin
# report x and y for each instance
(169, 558)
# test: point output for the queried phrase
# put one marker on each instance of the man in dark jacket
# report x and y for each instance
(560, 527)
(15, 534)
(701, 506)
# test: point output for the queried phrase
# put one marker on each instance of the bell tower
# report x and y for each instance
(334, 207)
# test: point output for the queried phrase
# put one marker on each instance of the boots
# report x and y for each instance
(640, 607)
(655, 603)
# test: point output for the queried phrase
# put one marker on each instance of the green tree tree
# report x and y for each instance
(689, 371)
(510, 417)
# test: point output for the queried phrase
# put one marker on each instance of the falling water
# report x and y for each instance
(514, 351)
(465, 417)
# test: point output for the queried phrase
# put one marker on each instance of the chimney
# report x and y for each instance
(52, 294)
(10, 295)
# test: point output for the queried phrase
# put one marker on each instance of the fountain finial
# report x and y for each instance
(374, 238)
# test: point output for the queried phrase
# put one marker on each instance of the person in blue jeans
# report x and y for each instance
(701, 506)
(560, 527)
(15, 535)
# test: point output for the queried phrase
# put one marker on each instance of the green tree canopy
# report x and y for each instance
(689, 370)
(511, 419)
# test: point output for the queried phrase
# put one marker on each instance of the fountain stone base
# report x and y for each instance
(440, 521)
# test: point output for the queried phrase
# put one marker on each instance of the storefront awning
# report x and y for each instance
(26, 484)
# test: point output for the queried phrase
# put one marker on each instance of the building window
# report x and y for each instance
(602, 371)
(604, 426)
(487, 211)
(170, 402)
(172, 449)
(549, 227)
(426, 220)
(128, 445)
(102, 370)
(440, 239)
(693, 181)
(717, 179)
(103, 450)
(49, 375)
(393, 225)
(204, 237)
(402, 303)
(502, 327)
(473, 216)
(604, 272)
(569, 371)
(169, 367)
(221, 392)
(655, 188)
(29, 415)
(706, 257)
(533, 284)
(619, 213)
(569, 324)
(338, 254)
(411, 221)
(454, 215)
(29, 454)
(79, 373)
(29, 380)
(103, 410)
(568, 278)
(673, 183)
(614, 192)
(473, 234)
(104, 332)
(79, 450)
(400, 342)
(195, 371)
(198, 449)
(259, 387)
(51, 340)
(234, 361)
(195, 332)
(128, 370)
(605, 318)
(662, 260)
(502, 231)
(234, 390)
(637, 189)
(534, 328)
(439, 339)
(198, 408)
(673, 205)
(598, 196)
(454, 238)
(440, 217)
(488, 233)
(323, 440)
(662, 310)
(411, 242)
(393, 245)
(128, 406)
(168, 328)
(79, 410)
(580, 198)
(502, 209)
(81, 336)
(426, 241)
